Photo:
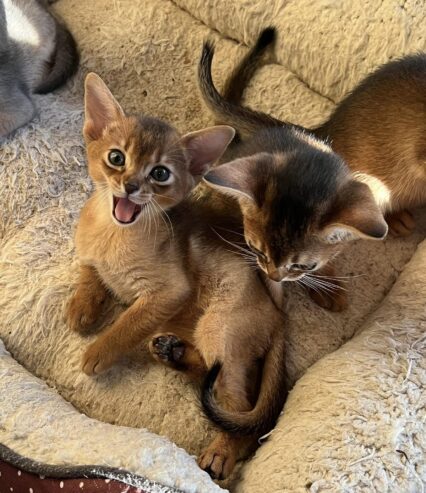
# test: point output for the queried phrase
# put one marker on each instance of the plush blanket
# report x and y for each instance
(353, 422)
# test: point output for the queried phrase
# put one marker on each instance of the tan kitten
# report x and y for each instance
(168, 257)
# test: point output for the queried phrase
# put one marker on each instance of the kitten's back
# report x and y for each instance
(380, 127)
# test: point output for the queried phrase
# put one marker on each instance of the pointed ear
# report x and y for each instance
(356, 215)
(206, 146)
(101, 108)
(240, 178)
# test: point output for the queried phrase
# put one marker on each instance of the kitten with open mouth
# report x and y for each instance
(147, 236)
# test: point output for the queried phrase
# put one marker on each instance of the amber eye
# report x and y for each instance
(257, 252)
(160, 174)
(116, 158)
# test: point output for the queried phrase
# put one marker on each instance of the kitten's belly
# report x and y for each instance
(127, 282)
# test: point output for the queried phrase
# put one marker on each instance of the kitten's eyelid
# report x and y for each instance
(304, 267)
(164, 183)
(107, 161)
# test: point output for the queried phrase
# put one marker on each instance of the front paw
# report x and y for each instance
(83, 311)
(98, 358)
(334, 301)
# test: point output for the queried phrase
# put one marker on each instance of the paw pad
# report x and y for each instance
(168, 348)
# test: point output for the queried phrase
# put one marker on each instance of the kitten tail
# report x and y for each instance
(242, 74)
(244, 120)
(273, 393)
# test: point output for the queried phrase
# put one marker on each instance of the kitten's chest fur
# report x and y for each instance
(126, 259)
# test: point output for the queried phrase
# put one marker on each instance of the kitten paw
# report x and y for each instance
(401, 223)
(217, 460)
(167, 349)
(97, 359)
(334, 302)
(83, 311)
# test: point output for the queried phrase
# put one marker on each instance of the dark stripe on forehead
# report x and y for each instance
(303, 186)
(152, 135)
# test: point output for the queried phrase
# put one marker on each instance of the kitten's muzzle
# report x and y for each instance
(281, 274)
(131, 187)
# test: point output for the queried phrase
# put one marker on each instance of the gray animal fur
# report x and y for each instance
(37, 55)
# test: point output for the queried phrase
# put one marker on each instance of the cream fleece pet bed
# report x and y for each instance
(355, 421)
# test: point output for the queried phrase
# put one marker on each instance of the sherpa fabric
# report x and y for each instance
(37, 424)
(147, 52)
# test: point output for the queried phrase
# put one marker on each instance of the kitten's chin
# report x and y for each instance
(125, 212)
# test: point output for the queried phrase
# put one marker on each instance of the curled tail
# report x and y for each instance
(243, 119)
(272, 395)
(65, 61)
(240, 77)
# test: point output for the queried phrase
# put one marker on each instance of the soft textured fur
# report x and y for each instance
(175, 262)
(300, 204)
(37, 55)
(378, 128)
(343, 396)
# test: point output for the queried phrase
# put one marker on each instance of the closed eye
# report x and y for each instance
(303, 267)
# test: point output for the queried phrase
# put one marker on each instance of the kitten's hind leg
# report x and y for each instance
(219, 458)
(401, 223)
(177, 353)
(86, 304)
(326, 290)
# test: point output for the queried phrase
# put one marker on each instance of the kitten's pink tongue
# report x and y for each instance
(124, 210)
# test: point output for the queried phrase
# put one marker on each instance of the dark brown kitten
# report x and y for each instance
(379, 129)
(299, 201)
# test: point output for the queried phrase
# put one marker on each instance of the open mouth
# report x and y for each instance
(125, 211)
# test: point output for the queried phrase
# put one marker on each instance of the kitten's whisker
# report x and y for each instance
(327, 282)
(304, 281)
(170, 233)
(322, 287)
(325, 285)
(247, 260)
(231, 231)
(336, 277)
(163, 196)
(163, 212)
(154, 220)
(245, 250)
(313, 285)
